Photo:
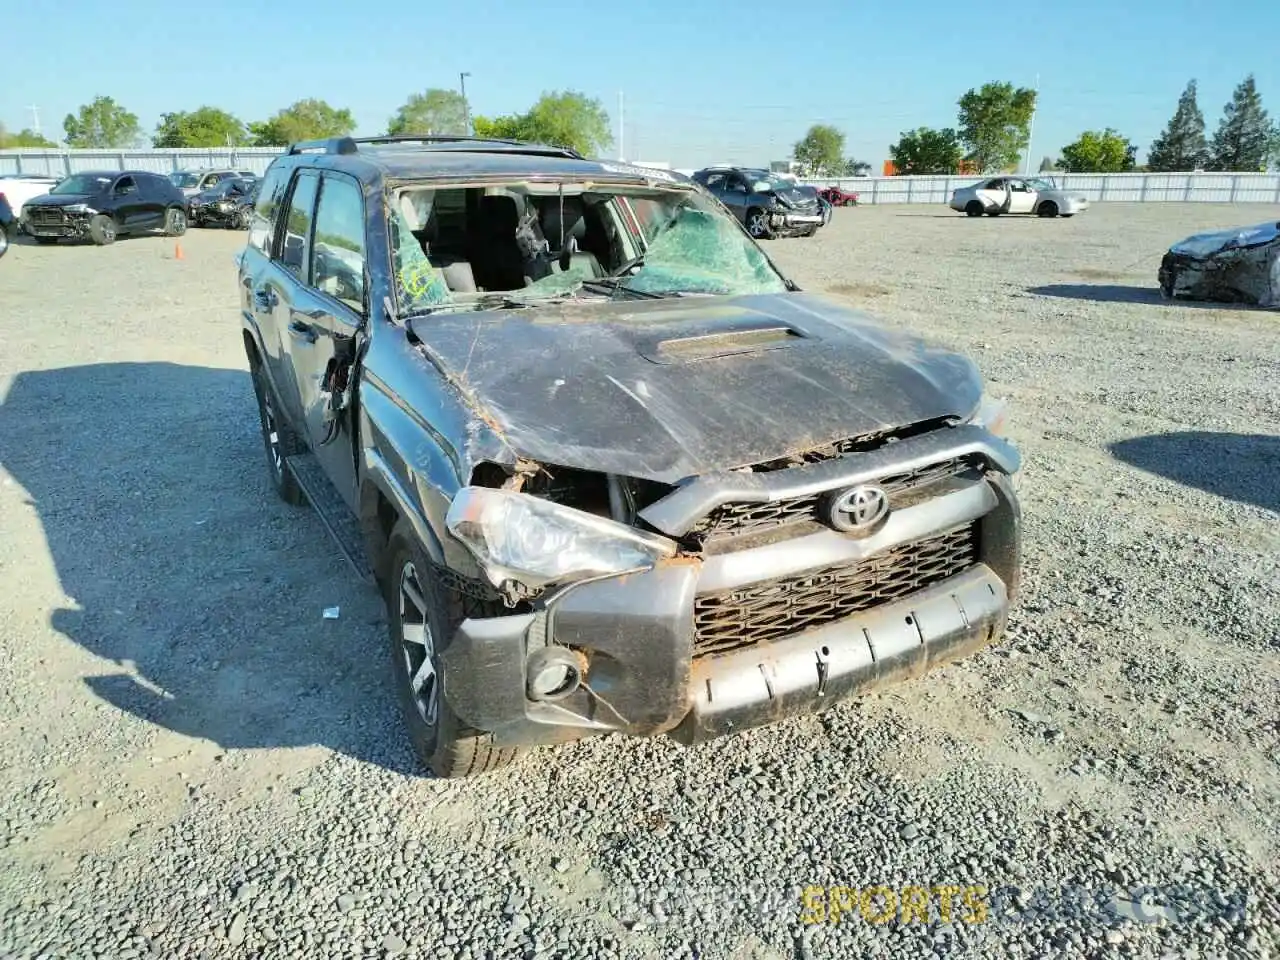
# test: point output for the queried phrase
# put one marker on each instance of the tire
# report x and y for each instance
(102, 230)
(758, 224)
(175, 222)
(422, 615)
(278, 440)
(973, 208)
(4, 239)
(1048, 209)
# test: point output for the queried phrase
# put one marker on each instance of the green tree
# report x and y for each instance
(202, 127)
(820, 152)
(1099, 151)
(23, 138)
(995, 124)
(1181, 147)
(924, 150)
(308, 119)
(560, 119)
(856, 168)
(432, 111)
(1243, 140)
(102, 123)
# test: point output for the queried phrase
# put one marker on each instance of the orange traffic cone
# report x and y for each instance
(177, 251)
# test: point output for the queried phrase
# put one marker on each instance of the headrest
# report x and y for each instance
(558, 228)
(499, 214)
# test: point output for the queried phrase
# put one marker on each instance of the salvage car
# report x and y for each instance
(839, 197)
(102, 205)
(191, 182)
(1000, 195)
(1240, 265)
(229, 204)
(611, 470)
(769, 205)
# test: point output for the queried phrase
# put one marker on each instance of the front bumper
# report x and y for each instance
(784, 221)
(1074, 206)
(637, 634)
(71, 226)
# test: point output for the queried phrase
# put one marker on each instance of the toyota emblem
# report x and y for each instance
(858, 510)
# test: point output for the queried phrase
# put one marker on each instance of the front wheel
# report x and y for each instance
(1048, 209)
(422, 615)
(758, 224)
(4, 239)
(102, 230)
(175, 222)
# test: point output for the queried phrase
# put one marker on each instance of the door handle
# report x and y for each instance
(265, 298)
(303, 331)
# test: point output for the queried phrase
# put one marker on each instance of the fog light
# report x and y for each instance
(554, 673)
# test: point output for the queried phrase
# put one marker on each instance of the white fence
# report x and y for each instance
(60, 163)
(1133, 187)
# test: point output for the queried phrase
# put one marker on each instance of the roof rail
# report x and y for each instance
(350, 145)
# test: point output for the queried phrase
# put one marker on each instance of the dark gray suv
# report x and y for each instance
(768, 205)
(610, 469)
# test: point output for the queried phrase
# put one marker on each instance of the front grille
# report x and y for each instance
(46, 216)
(761, 612)
(736, 519)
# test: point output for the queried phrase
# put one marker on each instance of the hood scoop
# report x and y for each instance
(720, 337)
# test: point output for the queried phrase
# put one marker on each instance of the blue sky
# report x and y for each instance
(734, 82)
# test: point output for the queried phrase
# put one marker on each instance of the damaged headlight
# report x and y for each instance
(519, 537)
(992, 415)
(79, 208)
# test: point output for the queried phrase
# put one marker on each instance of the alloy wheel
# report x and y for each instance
(417, 645)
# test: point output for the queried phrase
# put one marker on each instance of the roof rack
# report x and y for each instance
(350, 145)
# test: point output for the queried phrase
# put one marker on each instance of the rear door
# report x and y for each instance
(326, 308)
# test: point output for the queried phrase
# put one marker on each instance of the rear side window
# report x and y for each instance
(339, 241)
(295, 248)
(264, 211)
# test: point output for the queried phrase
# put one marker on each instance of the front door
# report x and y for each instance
(1022, 197)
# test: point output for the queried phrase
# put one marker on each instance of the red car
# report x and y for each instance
(838, 198)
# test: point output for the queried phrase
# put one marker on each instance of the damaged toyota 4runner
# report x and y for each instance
(612, 471)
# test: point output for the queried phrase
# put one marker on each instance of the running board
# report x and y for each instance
(333, 512)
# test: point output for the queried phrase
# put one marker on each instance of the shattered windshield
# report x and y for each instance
(459, 248)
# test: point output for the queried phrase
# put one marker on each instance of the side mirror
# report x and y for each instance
(292, 255)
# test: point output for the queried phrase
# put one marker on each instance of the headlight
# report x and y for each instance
(992, 415)
(79, 208)
(515, 536)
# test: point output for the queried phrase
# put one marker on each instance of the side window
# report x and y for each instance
(295, 249)
(264, 211)
(735, 184)
(339, 243)
(715, 181)
(997, 184)
(124, 187)
(212, 180)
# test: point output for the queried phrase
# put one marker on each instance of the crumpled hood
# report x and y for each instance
(675, 388)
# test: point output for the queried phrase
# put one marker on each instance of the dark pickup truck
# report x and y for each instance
(611, 470)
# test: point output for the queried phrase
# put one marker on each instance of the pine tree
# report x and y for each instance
(1182, 145)
(1244, 136)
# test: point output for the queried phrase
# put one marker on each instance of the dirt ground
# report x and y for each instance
(197, 763)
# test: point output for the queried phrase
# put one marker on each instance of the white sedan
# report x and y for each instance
(18, 189)
(1004, 194)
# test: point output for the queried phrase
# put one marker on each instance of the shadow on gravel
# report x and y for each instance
(1115, 293)
(1238, 466)
(183, 568)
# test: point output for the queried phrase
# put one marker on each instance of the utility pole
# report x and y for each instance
(35, 119)
(622, 129)
(1031, 127)
(466, 106)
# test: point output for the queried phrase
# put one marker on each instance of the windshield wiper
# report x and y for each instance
(613, 283)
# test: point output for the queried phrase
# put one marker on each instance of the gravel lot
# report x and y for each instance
(197, 764)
